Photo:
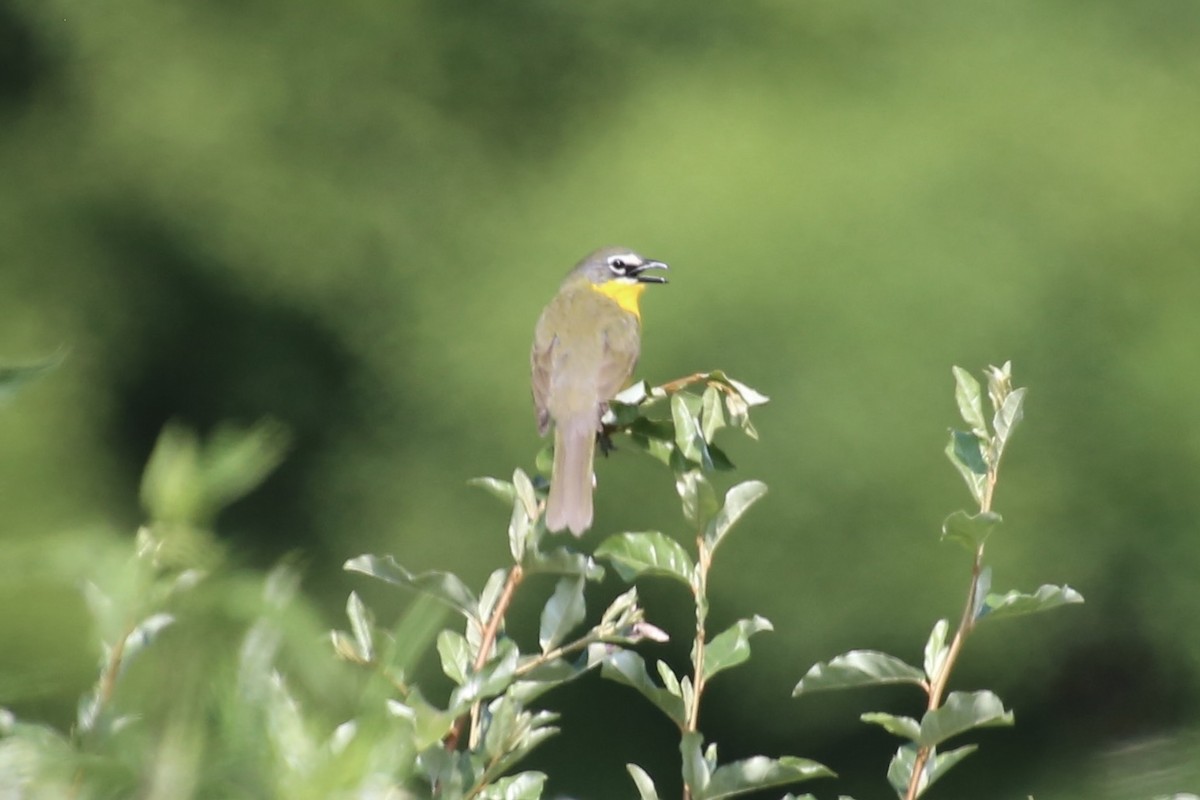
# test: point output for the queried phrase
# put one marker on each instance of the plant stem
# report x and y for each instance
(486, 640)
(108, 679)
(496, 619)
(701, 596)
(966, 623)
(700, 592)
(679, 384)
(558, 652)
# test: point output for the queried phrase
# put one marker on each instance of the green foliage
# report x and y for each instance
(259, 723)
(466, 748)
(685, 444)
(1020, 179)
(636, 554)
(976, 454)
(732, 646)
(858, 668)
(190, 697)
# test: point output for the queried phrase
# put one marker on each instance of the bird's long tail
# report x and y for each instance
(570, 502)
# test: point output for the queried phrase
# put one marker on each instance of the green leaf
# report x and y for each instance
(524, 492)
(1007, 417)
(968, 450)
(362, 625)
(412, 635)
(688, 437)
(235, 460)
(696, 770)
(496, 676)
(634, 394)
(654, 437)
(858, 668)
(429, 724)
(737, 502)
(937, 765)
(669, 678)
(456, 656)
(962, 711)
(710, 755)
(999, 383)
(698, 497)
(493, 587)
(936, 649)
(970, 401)
(732, 646)
(144, 634)
(970, 530)
(501, 726)
(966, 446)
(547, 676)
(687, 692)
(760, 772)
(940, 763)
(738, 412)
(522, 532)
(982, 587)
(642, 780)
(13, 378)
(712, 412)
(443, 586)
(284, 724)
(502, 490)
(621, 609)
(519, 732)
(562, 561)
(543, 463)
(752, 397)
(628, 668)
(904, 727)
(720, 460)
(636, 554)
(523, 786)
(171, 488)
(900, 770)
(1015, 603)
(346, 649)
(564, 611)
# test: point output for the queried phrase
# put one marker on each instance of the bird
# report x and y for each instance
(585, 347)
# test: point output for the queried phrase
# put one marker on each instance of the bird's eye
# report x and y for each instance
(617, 265)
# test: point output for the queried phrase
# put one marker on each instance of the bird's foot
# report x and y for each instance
(604, 440)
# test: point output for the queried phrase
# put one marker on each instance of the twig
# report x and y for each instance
(679, 384)
(108, 679)
(705, 561)
(700, 591)
(486, 641)
(966, 624)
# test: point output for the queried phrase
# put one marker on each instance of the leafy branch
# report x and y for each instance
(495, 681)
(685, 443)
(976, 453)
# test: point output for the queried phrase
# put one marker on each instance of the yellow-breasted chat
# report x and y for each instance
(585, 347)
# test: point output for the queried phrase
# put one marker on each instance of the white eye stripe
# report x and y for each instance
(620, 264)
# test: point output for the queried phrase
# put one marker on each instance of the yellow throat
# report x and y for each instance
(625, 294)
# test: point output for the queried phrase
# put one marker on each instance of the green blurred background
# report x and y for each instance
(348, 218)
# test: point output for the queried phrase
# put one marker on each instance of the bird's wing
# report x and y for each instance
(541, 359)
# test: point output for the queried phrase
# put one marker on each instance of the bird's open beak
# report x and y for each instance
(643, 278)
